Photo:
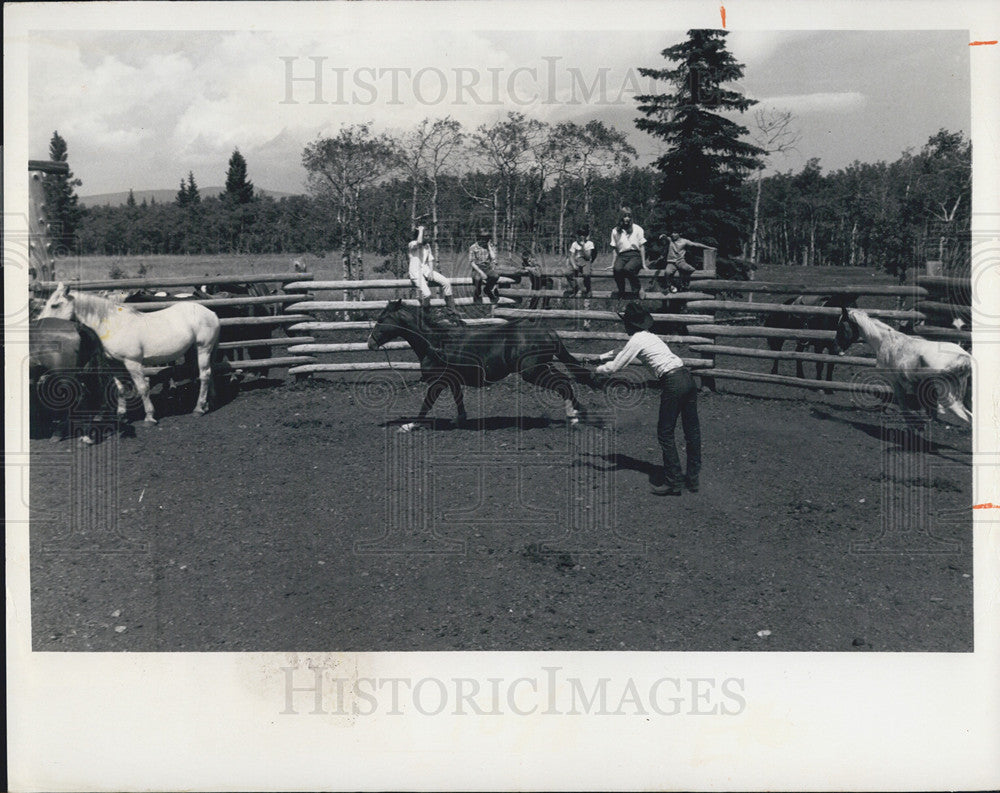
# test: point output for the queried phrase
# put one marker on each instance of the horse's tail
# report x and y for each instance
(580, 372)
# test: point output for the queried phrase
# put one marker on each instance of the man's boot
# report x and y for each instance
(451, 311)
(425, 310)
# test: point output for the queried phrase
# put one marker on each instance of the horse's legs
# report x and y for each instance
(958, 410)
(775, 345)
(204, 378)
(121, 410)
(142, 388)
(824, 347)
(547, 376)
(433, 392)
(800, 346)
(456, 392)
(955, 401)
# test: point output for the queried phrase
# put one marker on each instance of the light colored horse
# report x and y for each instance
(144, 338)
(912, 363)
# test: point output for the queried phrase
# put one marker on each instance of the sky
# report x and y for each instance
(140, 109)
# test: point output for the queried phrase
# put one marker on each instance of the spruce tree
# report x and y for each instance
(193, 196)
(182, 195)
(706, 162)
(61, 200)
(239, 190)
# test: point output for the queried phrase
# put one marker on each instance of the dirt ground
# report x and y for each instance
(295, 517)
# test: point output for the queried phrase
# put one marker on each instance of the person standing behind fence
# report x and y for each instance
(678, 397)
(421, 271)
(581, 259)
(483, 261)
(531, 268)
(629, 245)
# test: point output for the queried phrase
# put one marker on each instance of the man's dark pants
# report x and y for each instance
(679, 397)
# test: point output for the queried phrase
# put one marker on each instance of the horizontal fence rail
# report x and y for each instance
(799, 382)
(279, 320)
(347, 346)
(760, 332)
(374, 283)
(806, 289)
(950, 334)
(951, 309)
(216, 302)
(781, 355)
(276, 341)
(605, 295)
(782, 308)
(155, 283)
(596, 335)
(957, 283)
(376, 305)
(600, 316)
(228, 367)
(369, 324)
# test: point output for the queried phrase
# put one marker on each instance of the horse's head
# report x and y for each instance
(848, 332)
(393, 318)
(59, 305)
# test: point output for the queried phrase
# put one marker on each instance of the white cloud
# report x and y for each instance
(817, 103)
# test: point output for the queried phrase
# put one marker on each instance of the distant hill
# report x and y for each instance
(161, 196)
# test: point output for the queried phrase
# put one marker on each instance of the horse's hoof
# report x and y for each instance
(198, 412)
(148, 422)
(407, 427)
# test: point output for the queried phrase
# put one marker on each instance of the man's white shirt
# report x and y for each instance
(648, 348)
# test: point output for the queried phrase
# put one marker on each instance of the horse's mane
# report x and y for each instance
(856, 313)
(97, 307)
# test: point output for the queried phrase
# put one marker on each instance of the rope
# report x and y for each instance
(385, 352)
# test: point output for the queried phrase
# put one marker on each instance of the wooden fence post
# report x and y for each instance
(39, 242)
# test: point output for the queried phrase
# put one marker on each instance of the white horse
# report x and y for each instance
(935, 371)
(144, 338)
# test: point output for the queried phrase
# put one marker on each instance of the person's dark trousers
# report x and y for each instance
(571, 287)
(626, 270)
(490, 288)
(679, 397)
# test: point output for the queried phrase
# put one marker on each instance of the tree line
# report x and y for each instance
(532, 183)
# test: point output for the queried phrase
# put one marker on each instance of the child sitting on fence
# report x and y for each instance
(421, 270)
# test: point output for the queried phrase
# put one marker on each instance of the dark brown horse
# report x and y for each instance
(69, 376)
(838, 346)
(453, 357)
(247, 333)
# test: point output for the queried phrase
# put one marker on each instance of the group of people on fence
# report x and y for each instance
(628, 244)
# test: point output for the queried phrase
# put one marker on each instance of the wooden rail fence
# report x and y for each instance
(705, 324)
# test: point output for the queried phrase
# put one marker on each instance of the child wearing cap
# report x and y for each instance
(483, 261)
(678, 397)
